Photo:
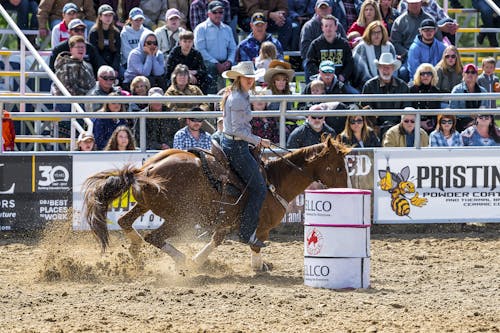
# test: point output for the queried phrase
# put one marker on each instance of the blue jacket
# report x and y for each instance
(437, 139)
(462, 88)
(420, 52)
(140, 63)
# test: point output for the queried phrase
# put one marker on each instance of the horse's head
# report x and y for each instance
(329, 165)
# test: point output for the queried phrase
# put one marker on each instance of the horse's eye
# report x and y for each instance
(339, 169)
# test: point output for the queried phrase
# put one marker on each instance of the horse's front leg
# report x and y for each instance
(256, 261)
(125, 222)
(159, 238)
(202, 256)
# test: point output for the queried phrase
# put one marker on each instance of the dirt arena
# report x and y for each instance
(420, 282)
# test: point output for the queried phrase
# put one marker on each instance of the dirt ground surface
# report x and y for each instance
(420, 282)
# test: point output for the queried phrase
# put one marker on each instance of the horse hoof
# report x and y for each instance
(267, 267)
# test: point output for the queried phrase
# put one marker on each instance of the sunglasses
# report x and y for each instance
(452, 56)
(317, 118)
(219, 12)
(108, 78)
(356, 121)
(78, 29)
(483, 117)
(471, 72)
(426, 74)
(446, 122)
(196, 120)
(151, 42)
(406, 121)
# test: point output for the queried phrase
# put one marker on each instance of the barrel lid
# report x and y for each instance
(351, 191)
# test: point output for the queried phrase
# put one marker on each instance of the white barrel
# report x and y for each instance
(337, 238)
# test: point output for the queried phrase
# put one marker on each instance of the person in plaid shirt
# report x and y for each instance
(192, 136)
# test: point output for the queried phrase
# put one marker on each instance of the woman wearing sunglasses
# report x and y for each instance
(445, 134)
(358, 134)
(424, 82)
(449, 69)
(482, 132)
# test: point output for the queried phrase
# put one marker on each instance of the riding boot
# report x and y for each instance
(492, 38)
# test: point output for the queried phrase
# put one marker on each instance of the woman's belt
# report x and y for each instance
(232, 137)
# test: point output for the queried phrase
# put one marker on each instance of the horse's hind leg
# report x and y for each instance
(125, 222)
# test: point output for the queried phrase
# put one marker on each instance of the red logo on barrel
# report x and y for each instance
(314, 242)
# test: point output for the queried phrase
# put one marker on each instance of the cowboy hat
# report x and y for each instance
(244, 68)
(388, 59)
(279, 67)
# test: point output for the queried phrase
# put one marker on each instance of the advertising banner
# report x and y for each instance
(437, 186)
(85, 165)
(34, 190)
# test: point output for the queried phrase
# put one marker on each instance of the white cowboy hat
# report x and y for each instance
(388, 59)
(279, 67)
(244, 68)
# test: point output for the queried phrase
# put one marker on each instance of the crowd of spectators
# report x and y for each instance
(346, 47)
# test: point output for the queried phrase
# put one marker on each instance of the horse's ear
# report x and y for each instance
(326, 137)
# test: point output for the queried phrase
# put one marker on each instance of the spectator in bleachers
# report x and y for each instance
(50, 14)
(312, 30)
(249, 48)
(278, 77)
(104, 127)
(449, 69)
(130, 35)
(490, 20)
(445, 134)
(386, 83)
(183, 7)
(154, 12)
(403, 134)
(488, 79)
(214, 39)
(105, 37)
(403, 33)
(192, 135)
(426, 48)
(447, 26)
(468, 85)
(276, 12)
(330, 46)
(346, 11)
(368, 13)
(85, 142)
(77, 28)
(300, 12)
(139, 87)
(198, 12)
(267, 53)
(265, 127)
(73, 71)
(375, 42)
(60, 32)
(326, 74)
(106, 80)
(310, 132)
(424, 82)
(24, 8)
(168, 35)
(121, 139)
(185, 54)
(358, 134)
(146, 60)
(159, 131)
(7, 140)
(482, 132)
(388, 12)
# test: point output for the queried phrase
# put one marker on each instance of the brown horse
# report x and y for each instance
(173, 185)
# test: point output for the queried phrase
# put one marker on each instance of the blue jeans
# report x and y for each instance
(23, 10)
(245, 165)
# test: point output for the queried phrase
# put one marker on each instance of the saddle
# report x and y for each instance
(217, 169)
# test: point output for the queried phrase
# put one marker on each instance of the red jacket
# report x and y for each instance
(8, 133)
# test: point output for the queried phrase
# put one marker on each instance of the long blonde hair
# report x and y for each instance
(458, 63)
(361, 21)
(235, 86)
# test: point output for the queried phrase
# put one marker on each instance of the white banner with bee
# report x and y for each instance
(436, 185)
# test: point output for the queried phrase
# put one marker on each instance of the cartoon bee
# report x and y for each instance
(399, 187)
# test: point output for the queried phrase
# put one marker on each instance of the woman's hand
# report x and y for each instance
(266, 143)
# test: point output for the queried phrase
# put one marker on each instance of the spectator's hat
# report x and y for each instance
(413, 1)
(172, 12)
(214, 5)
(243, 68)
(428, 24)
(278, 67)
(85, 136)
(76, 23)
(69, 7)
(388, 59)
(327, 66)
(469, 67)
(105, 9)
(320, 3)
(155, 91)
(136, 13)
(258, 18)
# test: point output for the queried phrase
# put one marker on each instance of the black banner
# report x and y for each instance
(34, 190)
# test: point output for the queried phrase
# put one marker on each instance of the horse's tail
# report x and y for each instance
(102, 188)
